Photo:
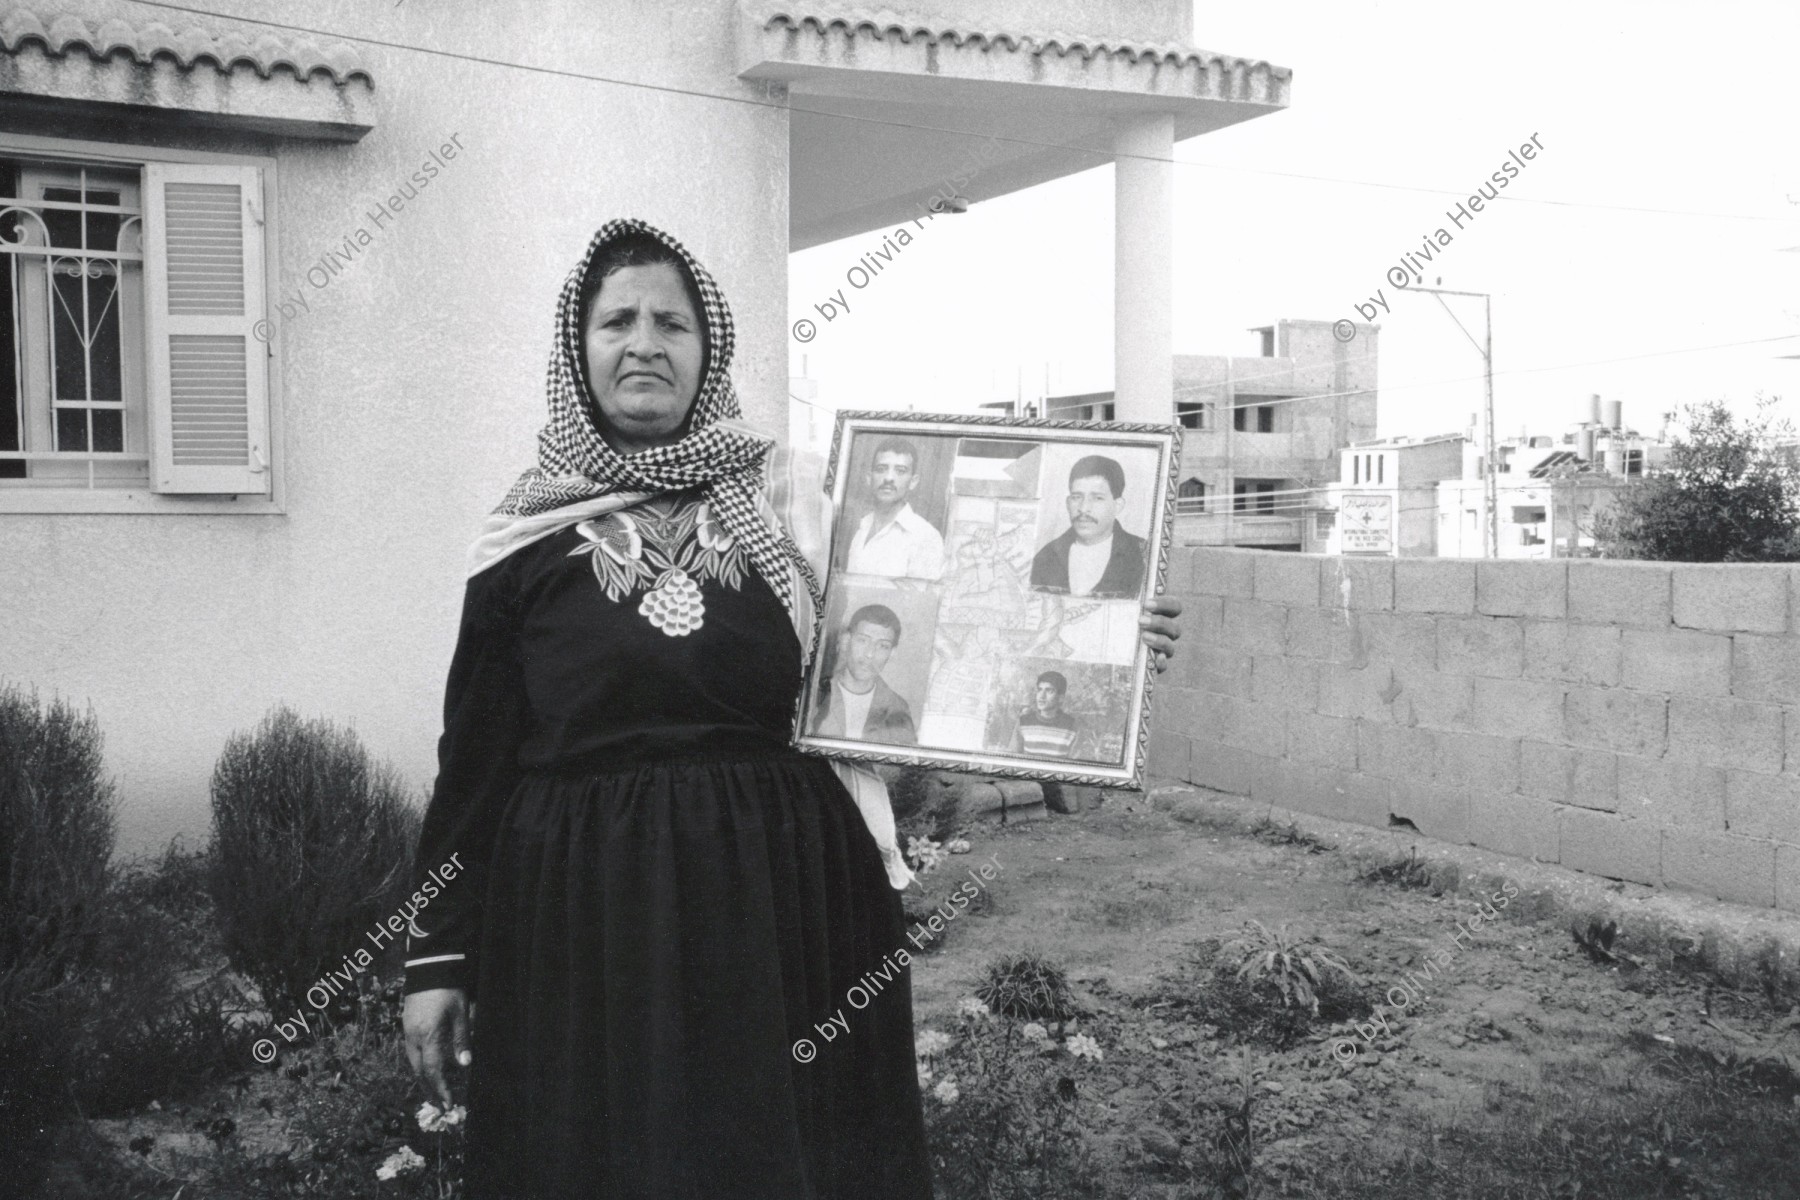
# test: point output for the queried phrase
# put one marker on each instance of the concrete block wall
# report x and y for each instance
(1636, 720)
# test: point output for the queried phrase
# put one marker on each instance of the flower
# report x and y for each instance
(925, 852)
(946, 1091)
(1036, 1032)
(958, 846)
(433, 1119)
(931, 1041)
(617, 535)
(1083, 1046)
(403, 1161)
(711, 531)
(972, 1008)
(924, 1072)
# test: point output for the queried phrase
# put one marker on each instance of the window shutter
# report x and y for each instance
(203, 301)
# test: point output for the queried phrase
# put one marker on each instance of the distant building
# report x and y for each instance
(1386, 497)
(1261, 433)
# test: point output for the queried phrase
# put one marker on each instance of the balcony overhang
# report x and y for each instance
(57, 65)
(887, 111)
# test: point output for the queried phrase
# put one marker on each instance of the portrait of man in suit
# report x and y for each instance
(855, 702)
(1095, 556)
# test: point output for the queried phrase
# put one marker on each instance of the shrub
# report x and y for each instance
(312, 843)
(1027, 986)
(1295, 970)
(56, 839)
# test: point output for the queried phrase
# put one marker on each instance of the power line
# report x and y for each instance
(1109, 155)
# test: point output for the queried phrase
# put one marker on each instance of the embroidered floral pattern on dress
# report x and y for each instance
(667, 552)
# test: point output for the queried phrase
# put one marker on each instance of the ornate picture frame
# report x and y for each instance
(983, 591)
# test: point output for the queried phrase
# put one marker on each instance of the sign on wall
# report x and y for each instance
(1367, 522)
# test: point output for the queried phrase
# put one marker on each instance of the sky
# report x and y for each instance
(1691, 108)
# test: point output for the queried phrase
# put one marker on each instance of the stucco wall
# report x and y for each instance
(1637, 720)
(413, 387)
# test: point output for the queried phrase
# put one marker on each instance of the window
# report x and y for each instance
(1253, 495)
(130, 294)
(1194, 414)
(1525, 514)
(1381, 468)
(1190, 497)
(1253, 418)
(1634, 462)
(1324, 521)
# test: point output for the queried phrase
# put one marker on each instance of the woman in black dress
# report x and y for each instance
(659, 897)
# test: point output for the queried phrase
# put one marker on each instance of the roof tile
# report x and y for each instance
(67, 33)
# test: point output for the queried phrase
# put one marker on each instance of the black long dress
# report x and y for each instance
(660, 898)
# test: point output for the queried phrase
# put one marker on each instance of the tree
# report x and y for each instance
(1730, 493)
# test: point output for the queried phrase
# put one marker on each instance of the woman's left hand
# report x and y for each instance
(1160, 628)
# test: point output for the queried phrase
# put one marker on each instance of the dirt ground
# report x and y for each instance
(1119, 894)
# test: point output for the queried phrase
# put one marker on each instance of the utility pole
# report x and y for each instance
(1490, 489)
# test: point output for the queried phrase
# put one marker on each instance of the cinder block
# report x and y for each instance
(1221, 768)
(1492, 646)
(1738, 869)
(1299, 786)
(1726, 733)
(1319, 633)
(1792, 720)
(1356, 584)
(1530, 708)
(1676, 660)
(1573, 653)
(1432, 700)
(1470, 760)
(1522, 588)
(1222, 671)
(1288, 683)
(1732, 597)
(1403, 641)
(1290, 579)
(1787, 878)
(1326, 741)
(1364, 798)
(1438, 811)
(1167, 757)
(1517, 825)
(1395, 751)
(1434, 585)
(1763, 806)
(1220, 571)
(1258, 728)
(1186, 711)
(1254, 626)
(1569, 775)
(1670, 792)
(1765, 668)
(1201, 620)
(1360, 694)
(1616, 719)
(1180, 568)
(1619, 593)
(1609, 845)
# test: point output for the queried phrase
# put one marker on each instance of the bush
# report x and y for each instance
(312, 844)
(1731, 493)
(1027, 986)
(56, 839)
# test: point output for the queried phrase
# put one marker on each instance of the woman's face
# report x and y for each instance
(643, 348)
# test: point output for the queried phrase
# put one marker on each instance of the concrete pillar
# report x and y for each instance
(1144, 269)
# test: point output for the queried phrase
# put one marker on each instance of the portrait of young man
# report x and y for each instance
(1043, 728)
(855, 702)
(892, 539)
(1095, 556)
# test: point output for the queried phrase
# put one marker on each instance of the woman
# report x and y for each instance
(659, 898)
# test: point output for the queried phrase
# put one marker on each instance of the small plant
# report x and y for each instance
(312, 844)
(1408, 872)
(1294, 969)
(1029, 987)
(1275, 834)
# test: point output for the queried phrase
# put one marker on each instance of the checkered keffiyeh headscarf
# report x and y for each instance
(719, 452)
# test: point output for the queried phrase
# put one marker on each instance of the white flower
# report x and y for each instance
(617, 535)
(946, 1091)
(1083, 1046)
(711, 531)
(957, 845)
(931, 1041)
(925, 852)
(433, 1119)
(1036, 1032)
(925, 1072)
(973, 1008)
(403, 1161)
